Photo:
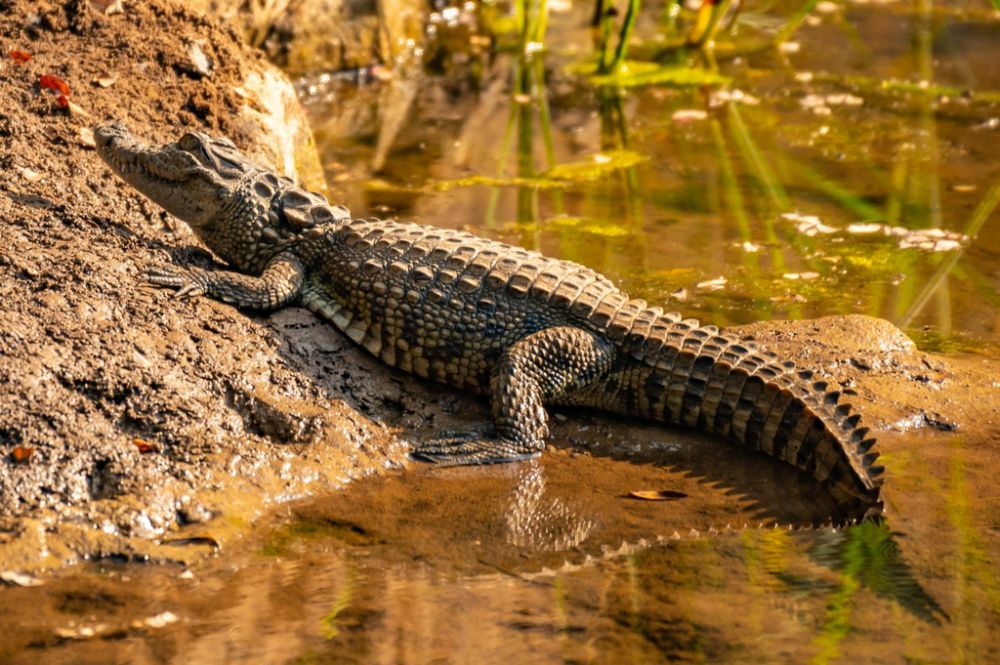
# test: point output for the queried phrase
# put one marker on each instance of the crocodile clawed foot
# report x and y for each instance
(187, 283)
(458, 449)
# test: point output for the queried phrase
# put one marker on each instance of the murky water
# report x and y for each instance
(884, 120)
(805, 186)
(545, 562)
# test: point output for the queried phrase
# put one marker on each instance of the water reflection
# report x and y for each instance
(526, 563)
(539, 522)
(868, 557)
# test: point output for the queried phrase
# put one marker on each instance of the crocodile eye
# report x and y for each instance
(189, 142)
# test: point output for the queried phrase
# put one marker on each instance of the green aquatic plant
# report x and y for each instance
(794, 22)
(628, 25)
(633, 73)
(757, 163)
(902, 89)
(711, 16)
(606, 228)
(869, 553)
(604, 18)
(977, 585)
(596, 166)
(532, 19)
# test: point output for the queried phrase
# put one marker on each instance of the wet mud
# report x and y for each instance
(126, 414)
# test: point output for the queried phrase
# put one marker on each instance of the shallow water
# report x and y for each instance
(814, 132)
(731, 208)
(538, 563)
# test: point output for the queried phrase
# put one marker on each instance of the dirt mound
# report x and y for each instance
(123, 409)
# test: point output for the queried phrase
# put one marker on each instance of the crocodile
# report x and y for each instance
(525, 330)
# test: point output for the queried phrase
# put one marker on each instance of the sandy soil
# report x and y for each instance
(97, 368)
(132, 424)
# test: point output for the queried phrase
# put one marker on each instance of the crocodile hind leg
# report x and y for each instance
(544, 366)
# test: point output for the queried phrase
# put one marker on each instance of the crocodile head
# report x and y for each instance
(244, 212)
(193, 178)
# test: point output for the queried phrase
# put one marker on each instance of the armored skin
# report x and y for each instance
(483, 316)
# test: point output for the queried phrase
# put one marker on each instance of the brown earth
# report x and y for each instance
(304, 36)
(91, 361)
(136, 425)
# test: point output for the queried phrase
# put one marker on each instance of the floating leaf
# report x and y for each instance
(864, 229)
(608, 230)
(731, 96)
(379, 185)
(712, 284)
(688, 115)
(809, 225)
(634, 73)
(657, 495)
(598, 227)
(596, 166)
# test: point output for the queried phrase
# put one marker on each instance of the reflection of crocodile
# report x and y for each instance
(539, 522)
(487, 317)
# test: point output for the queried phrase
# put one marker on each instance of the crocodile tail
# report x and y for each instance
(712, 381)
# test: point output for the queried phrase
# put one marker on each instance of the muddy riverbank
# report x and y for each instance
(132, 421)
(135, 426)
(125, 415)
(554, 560)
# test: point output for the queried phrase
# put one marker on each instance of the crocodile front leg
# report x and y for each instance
(277, 285)
(544, 366)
